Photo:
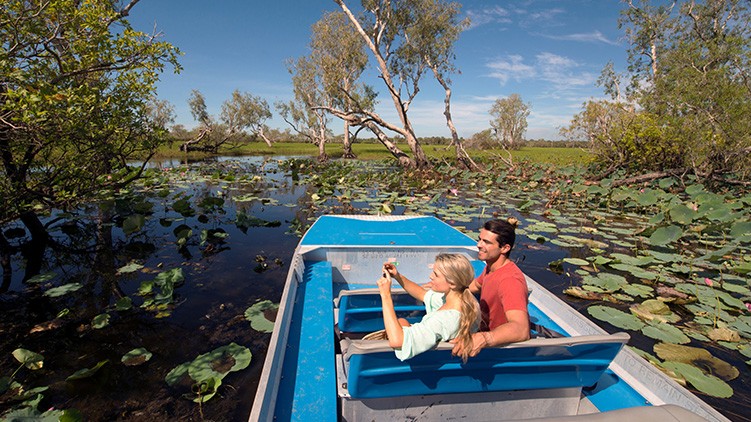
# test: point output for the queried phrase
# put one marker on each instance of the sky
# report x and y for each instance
(550, 52)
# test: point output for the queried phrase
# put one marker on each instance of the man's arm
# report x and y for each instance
(516, 329)
(474, 287)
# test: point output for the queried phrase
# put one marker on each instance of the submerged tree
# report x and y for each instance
(242, 112)
(391, 31)
(76, 103)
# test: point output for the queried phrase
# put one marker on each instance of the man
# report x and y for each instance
(502, 287)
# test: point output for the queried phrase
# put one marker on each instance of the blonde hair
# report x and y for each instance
(459, 273)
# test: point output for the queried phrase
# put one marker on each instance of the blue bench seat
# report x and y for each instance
(373, 371)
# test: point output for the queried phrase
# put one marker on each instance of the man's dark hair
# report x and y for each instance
(505, 231)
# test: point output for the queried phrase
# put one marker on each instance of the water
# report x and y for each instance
(223, 277)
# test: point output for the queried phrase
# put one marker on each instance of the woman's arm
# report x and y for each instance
(414, 289)
(394, 330)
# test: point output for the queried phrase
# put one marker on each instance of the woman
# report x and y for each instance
(452, 311)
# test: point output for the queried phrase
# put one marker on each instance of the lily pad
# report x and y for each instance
(87, 372)
(697, 357)
(136, 357)
(615, 317)
(41, 278)
(29, 359)
(654, 310)
(63, 290)
(256, 314)
(133, 223)
(666, 333)
(577, 261)
(707, 384)
(129, 268)
(100, 321)
(665, 235)
(217, 362)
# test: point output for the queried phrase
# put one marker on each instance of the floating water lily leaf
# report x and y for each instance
(136, 357)
(665, 332)
(124, 303)
(133, 223)
(682, 214)
(665, 235)
(41, 278)
(741, 229)
(724, 334)
(707, 384)
(87, 372)
(576, 261)
(256, 314)
(666, 257)
(697, 357)
(100, 321)
(576, 291)
(31, 360)
(615, 317)
(586, 242)
(204, 390)
(129, 268)
(183, 207)
(606, 281)
(636, 271)
(245, 221)
(640, 290)
(219, 362)
(63, 290)
(176, 374)
(654, 310)
(638, 261)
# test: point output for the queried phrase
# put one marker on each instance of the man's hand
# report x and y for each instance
(478, 342)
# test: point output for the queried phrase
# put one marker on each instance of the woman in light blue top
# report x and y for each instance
(452, 311)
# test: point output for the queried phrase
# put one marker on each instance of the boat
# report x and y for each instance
(319, 367)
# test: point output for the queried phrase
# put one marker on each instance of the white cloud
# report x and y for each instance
(591, 37)
(486, 16)
(511, 67)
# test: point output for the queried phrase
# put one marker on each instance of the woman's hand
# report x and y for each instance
(384, 284)
(390, 269)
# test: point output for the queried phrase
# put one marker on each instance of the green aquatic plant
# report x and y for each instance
(256, 314)
(208, 370)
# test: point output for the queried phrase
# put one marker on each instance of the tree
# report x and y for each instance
(327, 79)
(701, 89)
(387, 27)
(509, 119)
(76, 103)
(646, 28)
(436, 48)
(620, 137)
(242, 112)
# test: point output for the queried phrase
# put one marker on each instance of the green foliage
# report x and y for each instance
(75, 94)
(509, 120)
(209, 369)
(689, 108)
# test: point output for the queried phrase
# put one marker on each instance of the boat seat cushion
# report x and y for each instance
(373, 371)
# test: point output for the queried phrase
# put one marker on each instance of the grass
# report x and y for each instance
(559, 156)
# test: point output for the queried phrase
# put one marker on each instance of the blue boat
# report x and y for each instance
(318, 367)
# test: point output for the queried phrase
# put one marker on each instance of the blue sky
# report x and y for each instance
(549, 52)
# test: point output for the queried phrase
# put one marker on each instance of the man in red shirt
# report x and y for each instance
(502, 287)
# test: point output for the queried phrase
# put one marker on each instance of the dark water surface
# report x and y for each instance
(223, 277)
